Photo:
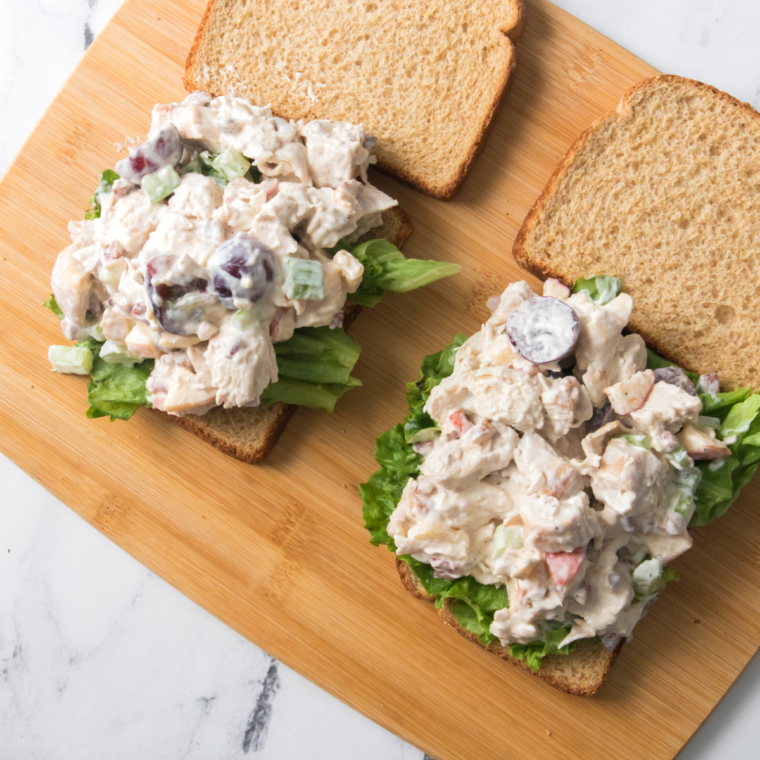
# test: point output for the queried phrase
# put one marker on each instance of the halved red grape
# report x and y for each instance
(674, 376)
(543, 329)
(163, 149)
(180, 305)
(242, 269)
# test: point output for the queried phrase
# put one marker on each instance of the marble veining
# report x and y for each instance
(88, 33)
(99, 658)
(258, 724)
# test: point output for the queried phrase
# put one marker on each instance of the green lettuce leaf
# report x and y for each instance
(114, 390)
(600, 288)
(386, 268)
(739, 413)
(105, 185)
(321, 396)
(52, 304)
(480, 602)
(535, 652)
(314, 367)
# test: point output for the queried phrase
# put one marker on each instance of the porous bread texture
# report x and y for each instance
(581, 673)
(249, 433)
(665, 194)
(425, 78)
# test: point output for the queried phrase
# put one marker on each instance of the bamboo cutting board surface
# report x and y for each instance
(278, 551)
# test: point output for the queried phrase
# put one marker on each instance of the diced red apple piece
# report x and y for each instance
(563, 566)
(141, 341)
(629, 395)
(460, 421)
(701, 443)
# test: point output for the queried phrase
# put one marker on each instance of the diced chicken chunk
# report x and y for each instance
(197, 196)
(701, 443)
(665, 410)
(629, 395)
(627, 478)
(141, 341)
(460, 461)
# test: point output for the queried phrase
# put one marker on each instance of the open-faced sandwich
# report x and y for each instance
(214, 272)
(547, 473)
(551, 466)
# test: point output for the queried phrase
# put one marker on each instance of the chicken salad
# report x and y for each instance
(226, 233)
(550, 467)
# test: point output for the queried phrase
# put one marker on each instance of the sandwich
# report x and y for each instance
(550, 467)
(426, 77)
(218, 265)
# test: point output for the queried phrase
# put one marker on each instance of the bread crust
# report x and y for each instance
(275, 418)
(520, 247)
(500, 91)
(191, 64)
(449, 191)
(580, 673)
(271, 420)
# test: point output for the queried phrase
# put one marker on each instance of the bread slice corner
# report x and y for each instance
(664, 193)
(249, 433)
(581, 673)
(425, 78)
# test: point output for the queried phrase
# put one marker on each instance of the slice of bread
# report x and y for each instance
(425, 78)
(582, 672)
(249, 433)
(665, 194)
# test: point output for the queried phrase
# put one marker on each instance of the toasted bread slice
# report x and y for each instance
(424, 78)
(249, 433)
(664, 194)
(582, 672)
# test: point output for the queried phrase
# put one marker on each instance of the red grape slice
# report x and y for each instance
(543, 329)
(242, 269)
(163, 149)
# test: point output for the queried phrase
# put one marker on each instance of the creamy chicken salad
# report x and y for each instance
(210, 243)
(554, 465)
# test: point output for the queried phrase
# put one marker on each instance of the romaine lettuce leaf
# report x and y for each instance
(386, 268)
(105, 184)
(114, 390)
(739, 413)
(52, 304)
(535, 652)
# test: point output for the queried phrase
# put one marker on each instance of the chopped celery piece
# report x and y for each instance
(424, 434)
(71, 360)
(304, 279)
(161, 183)
(507, 537)
(231, 164)
(646, 575)
(679, 458)
(642, 441)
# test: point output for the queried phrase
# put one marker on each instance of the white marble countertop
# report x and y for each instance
(99, 658)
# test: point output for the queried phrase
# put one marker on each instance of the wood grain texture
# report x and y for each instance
(278, 551)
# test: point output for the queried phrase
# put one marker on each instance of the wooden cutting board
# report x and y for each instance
(278, 551)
